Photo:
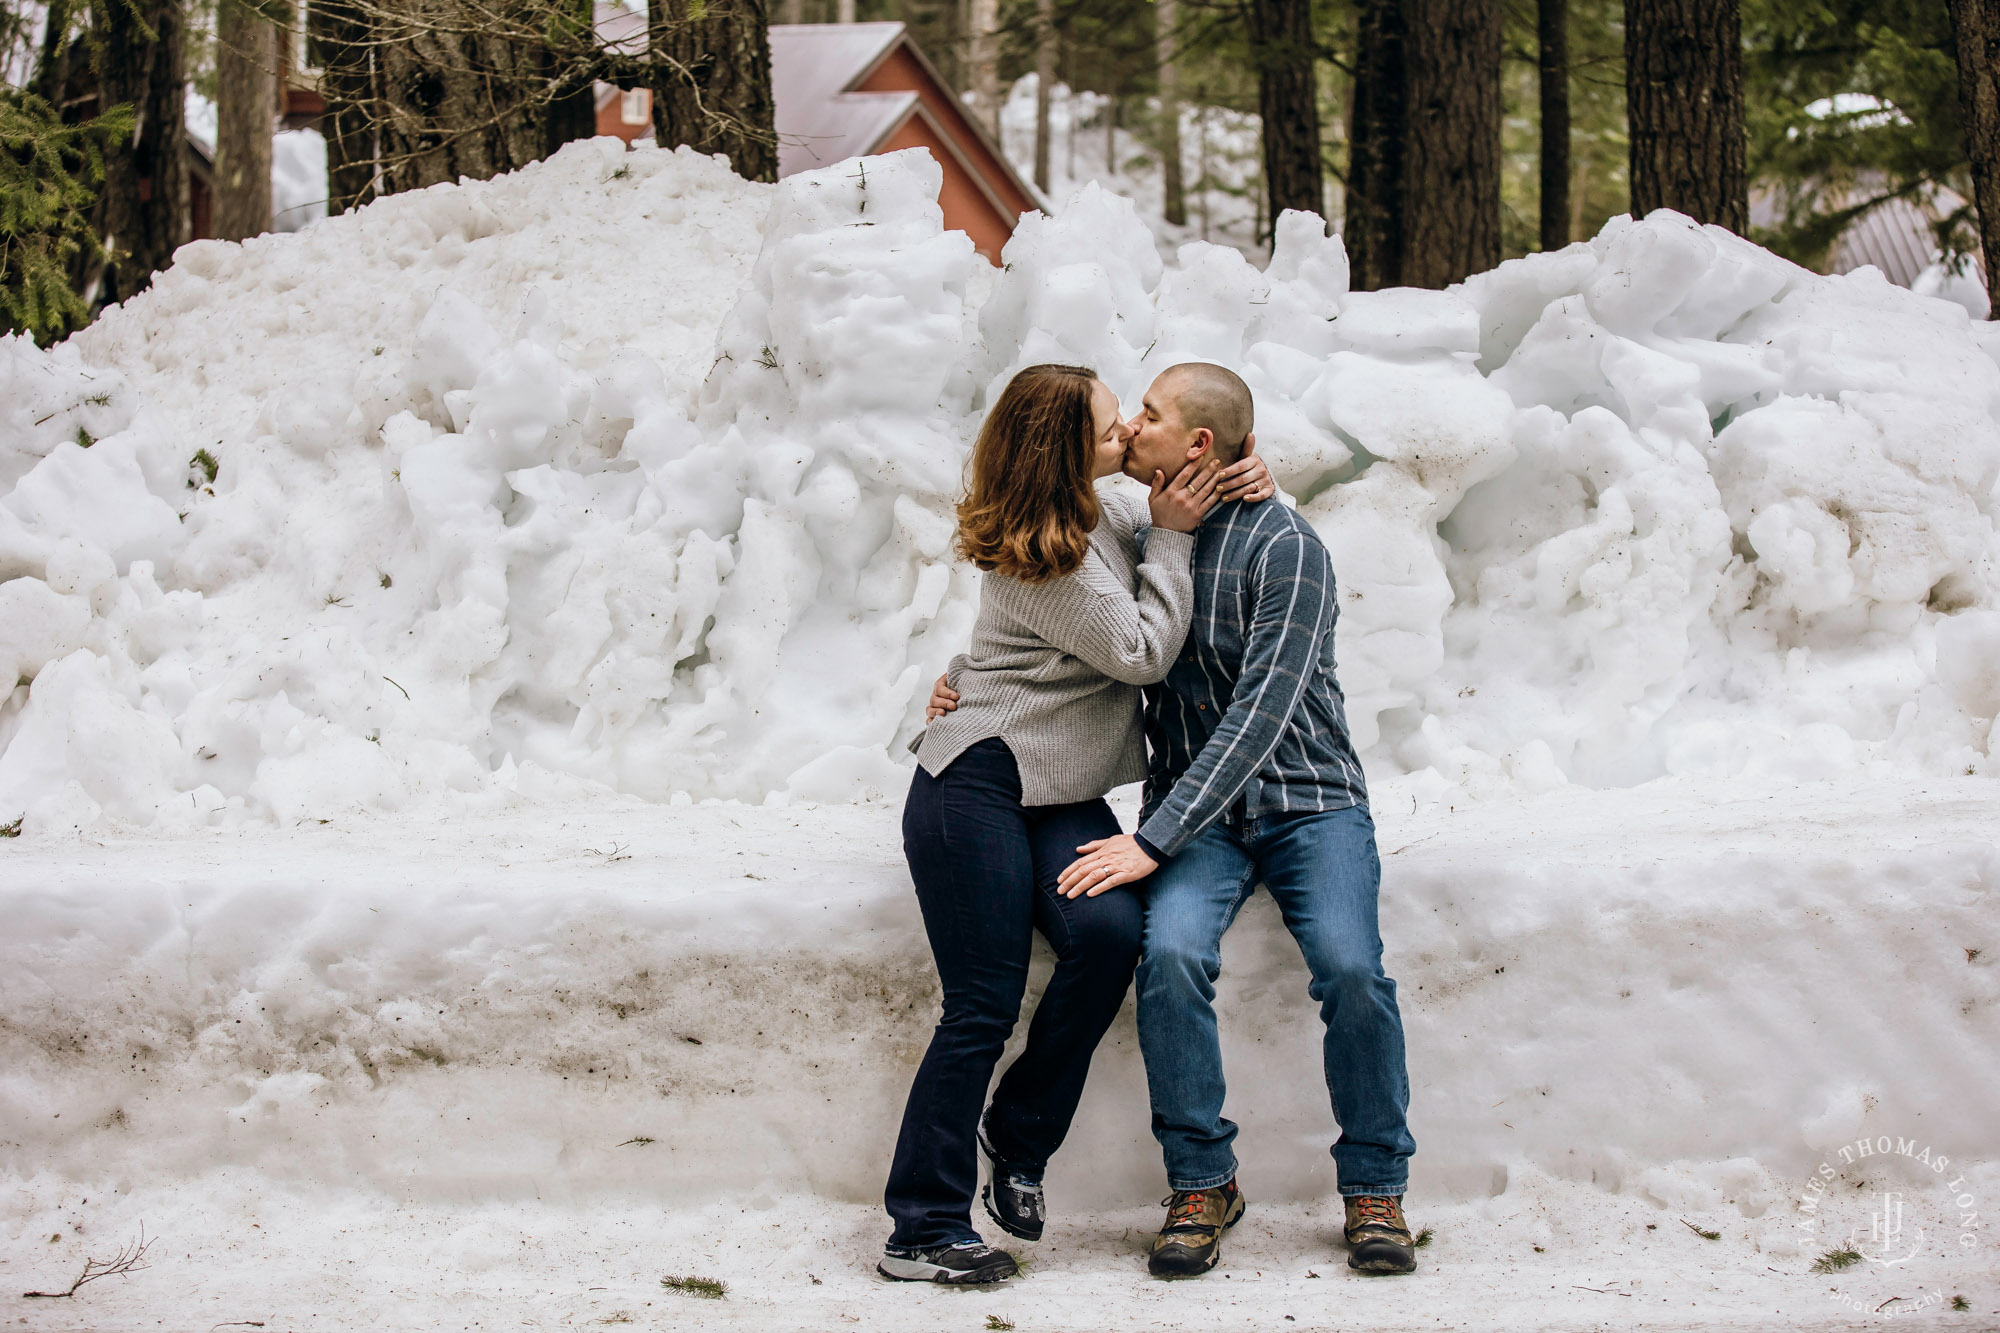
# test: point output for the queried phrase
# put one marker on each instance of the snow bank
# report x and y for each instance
(580, 473)
(608, 1000)
(623, 1001)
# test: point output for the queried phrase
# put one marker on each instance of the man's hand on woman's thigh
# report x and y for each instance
(1105, 864)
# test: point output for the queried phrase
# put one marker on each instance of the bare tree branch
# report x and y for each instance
(129, 1259)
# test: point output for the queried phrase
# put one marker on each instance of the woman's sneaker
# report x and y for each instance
(1014, 1195)
(965, 1264)
(1378, 1239)
(1191, 1241)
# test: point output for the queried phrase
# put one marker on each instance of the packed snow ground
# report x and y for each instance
(445, 635)
(512, 1069)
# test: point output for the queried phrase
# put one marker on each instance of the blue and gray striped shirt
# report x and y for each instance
(1250, 721)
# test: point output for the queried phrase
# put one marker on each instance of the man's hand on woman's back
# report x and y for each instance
(944, 699)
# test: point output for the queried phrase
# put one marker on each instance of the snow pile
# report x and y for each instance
(1656, 504)
(572, 473)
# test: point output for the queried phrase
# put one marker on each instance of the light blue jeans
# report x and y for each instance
(1324, 873)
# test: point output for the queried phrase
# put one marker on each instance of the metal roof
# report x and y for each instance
(820, 117)
(813, 65)
(1895, 236)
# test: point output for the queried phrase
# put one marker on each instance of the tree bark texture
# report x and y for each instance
(712, 89)
(143, 208)
(1552, 27)
(452, 100)
(1111, 117)
(1372, 228)
(1166, 20)
(51, 81)
(982, 58)
(572, 112)
(339, 31)
(1451, 167)
(1423, 188)
(1975, 26)
(1684, 109)
(1045, 78)
(246, 111)
(1281, 45)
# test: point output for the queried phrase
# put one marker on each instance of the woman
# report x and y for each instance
(1012, 782)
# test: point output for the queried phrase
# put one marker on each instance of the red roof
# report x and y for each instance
(848, 89)
(851, 89)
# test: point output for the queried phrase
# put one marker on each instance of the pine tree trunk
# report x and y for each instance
(1111, 125)
(453, 99)
(1045, 77)
(1553, 29)
(143, 207)
(1684, 109)
(1378, 132)
(982, 56)
(713, 89)
(1450, 193)
(246, 105)
(1281, 45)
(1166, 19)
(52, 70)
(844, 11)
(339, 32)
(1975, 28)
(572, 112)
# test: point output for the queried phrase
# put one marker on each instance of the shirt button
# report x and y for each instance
(1202, 707)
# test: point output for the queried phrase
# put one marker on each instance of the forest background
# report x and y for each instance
(1440, 137)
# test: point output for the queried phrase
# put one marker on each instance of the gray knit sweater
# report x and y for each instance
(1055, 668)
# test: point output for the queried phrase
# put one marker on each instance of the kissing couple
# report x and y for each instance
(1197, 626)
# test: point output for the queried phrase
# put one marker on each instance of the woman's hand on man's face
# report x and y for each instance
(1246, 479)
(1181, 504)
(1105, 864)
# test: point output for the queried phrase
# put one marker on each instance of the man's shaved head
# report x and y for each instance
(1211, 398)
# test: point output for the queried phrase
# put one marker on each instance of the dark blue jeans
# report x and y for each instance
(985, 868)
(1323, 871)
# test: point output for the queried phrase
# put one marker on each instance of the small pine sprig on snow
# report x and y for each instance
(708, 1288)
(1835, 1260)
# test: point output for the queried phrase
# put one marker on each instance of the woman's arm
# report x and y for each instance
(1129, 636)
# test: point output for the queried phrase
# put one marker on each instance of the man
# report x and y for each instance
(1253, 779)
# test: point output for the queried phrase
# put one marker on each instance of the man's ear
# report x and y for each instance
(1203, 438)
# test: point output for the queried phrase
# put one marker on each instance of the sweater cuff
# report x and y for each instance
(1146, 846)
(1176, 546)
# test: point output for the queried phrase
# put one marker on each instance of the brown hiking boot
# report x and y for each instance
(1191, 1241)
(1378, 1239)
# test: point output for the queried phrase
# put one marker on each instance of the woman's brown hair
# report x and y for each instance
(1030, 508)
